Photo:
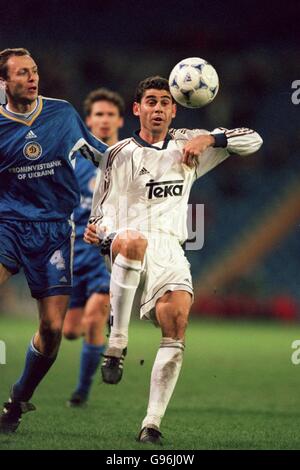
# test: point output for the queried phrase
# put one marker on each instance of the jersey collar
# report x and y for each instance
(27, 121)
(140, 141)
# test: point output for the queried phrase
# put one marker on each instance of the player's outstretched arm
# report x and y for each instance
(205, 150)
(241, 141)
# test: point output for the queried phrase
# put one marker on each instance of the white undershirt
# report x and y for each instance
(159, 144)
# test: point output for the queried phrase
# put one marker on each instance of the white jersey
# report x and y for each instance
(146, 187)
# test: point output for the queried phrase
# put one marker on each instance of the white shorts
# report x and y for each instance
(165, 268)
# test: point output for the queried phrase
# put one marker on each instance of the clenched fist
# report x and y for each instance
(194, 147)
(90, 235)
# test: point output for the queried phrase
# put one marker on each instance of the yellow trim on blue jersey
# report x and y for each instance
(36, 113)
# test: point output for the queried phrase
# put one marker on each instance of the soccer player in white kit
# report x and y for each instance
(139, 216)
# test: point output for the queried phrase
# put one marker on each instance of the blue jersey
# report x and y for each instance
(37, 180)
(86, 174)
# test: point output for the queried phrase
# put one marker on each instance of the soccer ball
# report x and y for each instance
(193, 82)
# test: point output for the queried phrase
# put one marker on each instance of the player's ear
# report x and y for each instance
(121, 122)
(2, 84)
(174, 110)
(136, 108)
(3, 87)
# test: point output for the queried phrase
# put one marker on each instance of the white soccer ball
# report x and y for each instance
(193, 82)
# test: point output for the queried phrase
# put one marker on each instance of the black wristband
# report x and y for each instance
(220, 140)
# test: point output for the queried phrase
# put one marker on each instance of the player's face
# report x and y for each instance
(104, 120)
(156, 111)
(22, 79)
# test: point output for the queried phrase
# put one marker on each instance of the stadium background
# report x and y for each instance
(249, 265)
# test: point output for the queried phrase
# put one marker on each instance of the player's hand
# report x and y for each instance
(90, 235)
(194, 147)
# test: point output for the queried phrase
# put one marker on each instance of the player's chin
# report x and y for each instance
(158, 126)
(31, 97)
(104, 133)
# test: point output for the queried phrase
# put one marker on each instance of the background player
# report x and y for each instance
(38, 193)
(155, 170)
(89, 303)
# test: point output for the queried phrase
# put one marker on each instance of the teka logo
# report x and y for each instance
(164, 188)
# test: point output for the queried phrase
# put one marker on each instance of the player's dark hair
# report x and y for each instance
(6, 54)
(156, 82)
(103, 94)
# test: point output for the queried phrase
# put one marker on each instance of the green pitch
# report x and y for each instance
(238, 390)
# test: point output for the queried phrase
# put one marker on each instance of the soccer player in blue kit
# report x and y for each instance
(38, 193)
(89, 303)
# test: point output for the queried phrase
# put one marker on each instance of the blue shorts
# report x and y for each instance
(43, 249)
(90, 274)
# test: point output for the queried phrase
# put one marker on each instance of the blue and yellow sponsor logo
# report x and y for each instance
(32, 150)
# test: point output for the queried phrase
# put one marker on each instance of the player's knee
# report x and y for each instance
(72, 327)
(134, 248)
(51, 330)
(70, 334)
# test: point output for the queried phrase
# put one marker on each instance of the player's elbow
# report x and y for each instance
(253, 146)
(258, 142)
